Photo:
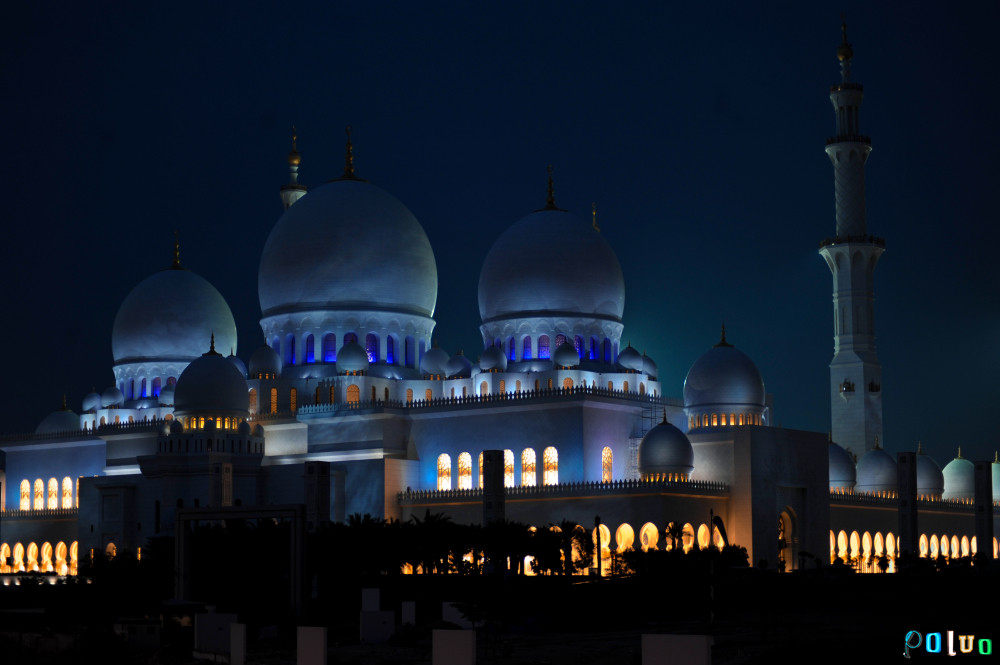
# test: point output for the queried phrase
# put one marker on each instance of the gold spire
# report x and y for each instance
(550, 199)
(844, 51)
(64, 407)
(920, 448)
(722, 341)
(593, 212)
(959, 454)
(294, 158)
(996, 458)
(177, 251)
(349, 158)
(877, 447)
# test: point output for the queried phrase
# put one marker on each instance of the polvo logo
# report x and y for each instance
(946, 644)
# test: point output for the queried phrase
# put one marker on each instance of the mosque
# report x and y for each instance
(350, 407)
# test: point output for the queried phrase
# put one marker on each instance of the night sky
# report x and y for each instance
(699, 131)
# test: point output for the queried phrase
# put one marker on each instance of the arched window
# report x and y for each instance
(310, 349)
(508, 468)
(511, 349)
(528, 467)
(595, 354)
(293, 399)
(502, 387)
(61, 566)
(649, 535)
(156, 387)
(484, 388)
(428, 395)
(607, 350)
(559, 341)
(390, 350)
(289, 349)
(642, 388)
(408, 356)
(444, 471)
(611, 385)
(111, 551)
(687, 537)
(625, 386)
(67, 492)
(17, 565)
(353, 394)
(543, 346)
(329, 348)
(704, 537)
(517, 386)
(624, 538)
(32, 565)
(607, 457)
(578, 345)
(385, 394)
(409, 395)
(45, 563)
(25, 503)
(526, 348)
(567, 383)
(715, 420)
(550, 466)
(536, 385)
(465, 471)
(934, 546)
(4, 555)
(39, 502)
(274, 400)
(350, 337)
(923, 546)
(371, 346)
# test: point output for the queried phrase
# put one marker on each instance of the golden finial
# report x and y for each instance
(64, 407)
(593, 213)
(959, 454)
(294, 158)
(877, 447)
(550, 200)
(920, 448)
(177, 250)
(349, 158)
(996, 458)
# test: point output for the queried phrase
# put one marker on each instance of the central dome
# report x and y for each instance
(348, 245)
(551, 263)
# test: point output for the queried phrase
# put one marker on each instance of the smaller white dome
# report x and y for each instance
(352, 357)
(63, 420)
(876, 472)
(843, 475)
(237, 363)
(631, 359)
(91, 402)
(112, 397)
(959, 479)
(264, 361)
(930, 480)
(566, 356)
(493, 358)
(665, 450)
(211, 384)
(434, 362)
(166, 397)
(648, 366)
(458, 367)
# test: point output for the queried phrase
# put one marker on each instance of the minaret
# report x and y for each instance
(855, 372)
(293, 191)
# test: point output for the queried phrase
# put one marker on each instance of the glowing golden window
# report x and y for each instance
(25, 503)
(39, 502)
(625, 386)
(649, 535)
(624, 538)
(481, 482)
(465, 471)
(550, 384)
(550, 466)
(508, 468)
(611, 385)
(484, 388)
(528, 467)
(607, 458)
(274, 400)
(293, 397)
(428, 395)
(715, 420)
(503, 386)
(444, 471)
(354, 396)
(517, 386)
(409, 395)
(567, 383)
(67, 492)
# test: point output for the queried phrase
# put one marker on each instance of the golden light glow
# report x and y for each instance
(444, 471)
(465, 471)
(32, 555)
(624, 538)
(687, 537)
(25, 503)
(528, 467)
(607, 458)
(39, 502)
(649, 536)
(508, 468)
(550, 466)
(353, 394)
(111, 551)
(704, 537)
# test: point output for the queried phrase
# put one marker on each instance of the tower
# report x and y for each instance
(855, 372)
(293, 191)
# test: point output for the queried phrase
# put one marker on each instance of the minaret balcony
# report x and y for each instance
(846, 85)
(866, 239)
(849, 138)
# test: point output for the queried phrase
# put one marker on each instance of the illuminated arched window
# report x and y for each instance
(687, 537)
(409, 395)
(428, 395)
(549, 386)
(111, 551)
(567, 383)
(611, 386)
(704, 537)
(508, 468)
(481, 481)
(624, 538)
(67, 492)
(45, 560)
(25, 503)
(444, 471)
(371, 346)
(73, 557)
(329, 348)
(855, 541)
(649, 535)
(923, 546)
(578, 344)
(32, 556)
(4, 555)
(465, 471)
(543, 346)
(39, 502)
(511, 348)
(310, 349)
(503, 386)
(528, 467)
(61, 553)
(933, 549)
(484, 388)
(715, 420)
(607, 458)
(274, 400)
(550, 466)
(955, 551)
(353, 394)
(156, 387)
(253, 400)
(17, 565)
(293, 398)
(517, 386)
(625, 386)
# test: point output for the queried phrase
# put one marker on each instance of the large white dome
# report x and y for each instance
(347, 245)
(724, 377)
(170, 316)
(551, 263)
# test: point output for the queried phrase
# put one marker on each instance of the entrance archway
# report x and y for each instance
(788, 541)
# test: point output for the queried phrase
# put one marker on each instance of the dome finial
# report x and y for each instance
(958, 455)
(349, 158)
(211, 348)
(664, 414)
(844, 51)
(996, 457)
(64, 407)
(294, 158)
(593, 212)
(920, 447)
(877, 447)
(722, 340)
(177, 251)
(550, 200)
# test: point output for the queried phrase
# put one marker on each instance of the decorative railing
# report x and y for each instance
(40, 514)
(150, 425)
(839, 240)
(702, 487)
(478, 400)
(891, 500)
(849, 138)
(846, 85)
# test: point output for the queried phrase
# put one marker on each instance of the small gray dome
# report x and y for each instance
(434, 362)
(566, 356)
(91, 402)
(176, 427)
(930, 480)
(237, 363)
(648, 366)
(631, 359)
(959, 479)
(112, 397)
(876, 472)
(458, 367)
(842, 472)
(166, 397)
(244, 428)
(211, 384)
(264, 361)
(63, 420)
(723, 376)
(352, 357)
(664, 450)
(493, 358)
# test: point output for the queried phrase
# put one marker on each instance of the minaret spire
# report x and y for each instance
(177, 251)
(851, 254)
(593, 213)
(349, 158)
(293, 191)
(550, 199)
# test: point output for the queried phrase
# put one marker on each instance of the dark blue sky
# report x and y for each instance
(699, 130)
